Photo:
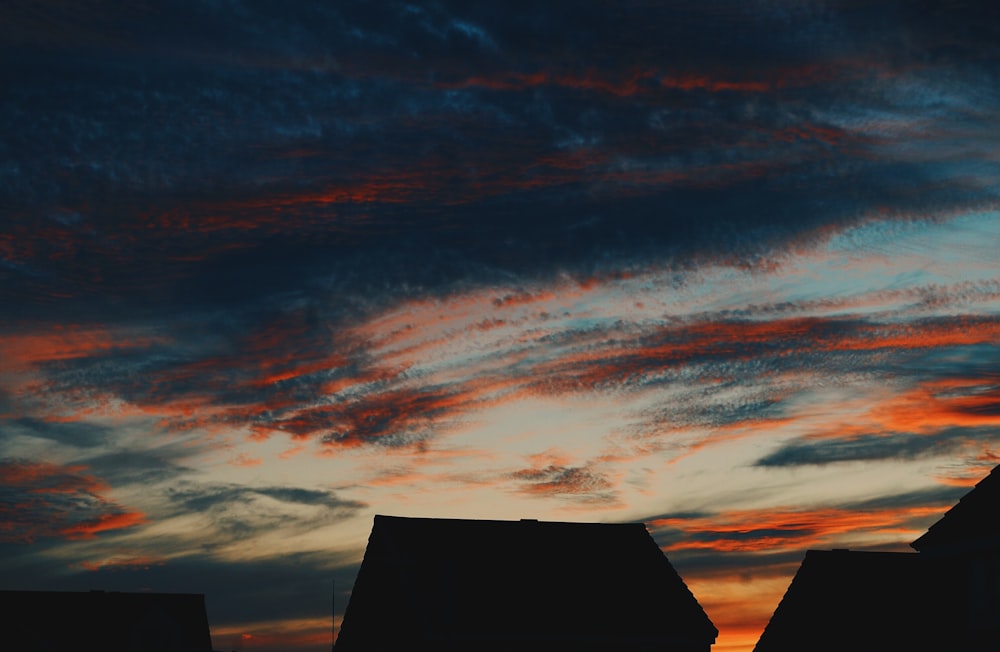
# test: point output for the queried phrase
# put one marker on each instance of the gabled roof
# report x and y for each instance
(105, 621)
(867, 601)
(478, 584)
(973, 522)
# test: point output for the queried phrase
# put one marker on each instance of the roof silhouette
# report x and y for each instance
(972, 523)
(105, 621)
(944, 597)
(526, 585)
(864, 601)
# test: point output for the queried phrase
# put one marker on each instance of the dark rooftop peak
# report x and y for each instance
(526, 584)
(111, 621)
(861, 600)
(472, 522)
(969, 524)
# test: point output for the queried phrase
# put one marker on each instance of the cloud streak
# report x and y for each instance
(42, 500)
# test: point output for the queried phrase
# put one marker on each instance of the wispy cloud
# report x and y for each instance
(420, 369)
(42, 500)
(773, 530)
(239, 512)
(552, 475)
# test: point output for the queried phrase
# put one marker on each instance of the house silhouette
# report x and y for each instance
(451, 584)
(945, 597)
(55, 621)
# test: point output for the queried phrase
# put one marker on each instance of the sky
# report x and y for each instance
(267, 269)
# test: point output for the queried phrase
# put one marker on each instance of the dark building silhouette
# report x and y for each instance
(449, 584)
(971, 527)
(945, 597)
(64, 621)
(863, 601)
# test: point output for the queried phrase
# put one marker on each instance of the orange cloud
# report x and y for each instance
(103, 523)
(48, 500)
(925, 409)
(123, 562)
(619, 84)
(20, 351)
(783, 528)
(246, 461)
(45, 477)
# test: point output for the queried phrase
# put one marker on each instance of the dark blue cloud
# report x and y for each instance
(144, 467)
(875, 447)
(211, 153)
(206, 498)
(72, 433)
(942, 496)
(240, 511)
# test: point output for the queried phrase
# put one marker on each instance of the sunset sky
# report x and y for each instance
(267, 269)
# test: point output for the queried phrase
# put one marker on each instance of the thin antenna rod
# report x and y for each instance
(333, 613)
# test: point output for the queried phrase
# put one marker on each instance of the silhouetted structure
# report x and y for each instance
(448, 584)
(860, 601)
(945, 597)
(60, 621)
(971, 527)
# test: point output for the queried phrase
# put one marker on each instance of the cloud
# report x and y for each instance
(552, 474)
(770, 537)
(428, 128)
(403, 375)
(40, 500)
(72, 433)
(240, 511)
(393, 418)
(124, 467)
(102, 523)
(882, 446)
(783, 529)
(940, 496)
(576, 482)
(25, 349)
